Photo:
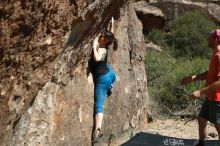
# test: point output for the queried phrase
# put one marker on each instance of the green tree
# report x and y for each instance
(164, 75)
(189, 34)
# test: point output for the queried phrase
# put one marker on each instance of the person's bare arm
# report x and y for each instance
(99, 54)
(194, 78)
(95, 48)
(112, 25)
(206, 90)
(211, 88)
(201, 76)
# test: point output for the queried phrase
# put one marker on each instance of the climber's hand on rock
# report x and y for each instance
(95, 42)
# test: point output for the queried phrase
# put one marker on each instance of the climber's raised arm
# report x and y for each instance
(111, 25)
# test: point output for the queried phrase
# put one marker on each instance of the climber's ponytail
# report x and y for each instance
(115, 44)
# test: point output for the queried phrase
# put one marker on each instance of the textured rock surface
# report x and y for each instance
(174, 8)
(157, 13)
(141, 0)
(150, 16)
(154, 47)
(46, 89)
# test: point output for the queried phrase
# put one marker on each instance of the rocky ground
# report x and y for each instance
(177, 128)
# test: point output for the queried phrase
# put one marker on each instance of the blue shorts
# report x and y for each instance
(102, 85)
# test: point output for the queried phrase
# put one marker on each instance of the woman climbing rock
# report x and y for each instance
(103, 75)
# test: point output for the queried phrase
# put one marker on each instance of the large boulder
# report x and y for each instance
(46, 90)
(141, 0)
(150, 16)
(175, 8)
(153, 47)
(156, 14)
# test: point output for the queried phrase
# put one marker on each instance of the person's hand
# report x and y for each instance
(196, 94)
(111, 25)
(96, 42)
(187, 80)
(112, 21)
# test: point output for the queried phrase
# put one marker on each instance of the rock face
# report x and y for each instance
(175, 8)
(150, 16)
(157, 14)
(46, 88)
(154, 47)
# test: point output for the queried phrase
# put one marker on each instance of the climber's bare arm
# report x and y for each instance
(99, 53)
(111, 25)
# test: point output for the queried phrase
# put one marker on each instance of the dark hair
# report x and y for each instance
(110, 38)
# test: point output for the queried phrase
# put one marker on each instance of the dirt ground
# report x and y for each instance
(177, 128)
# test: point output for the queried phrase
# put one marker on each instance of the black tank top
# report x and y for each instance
(100, 67)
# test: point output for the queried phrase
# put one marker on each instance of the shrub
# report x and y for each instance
(156, 36)
(189, 34)
(164, 76)
(185, 52)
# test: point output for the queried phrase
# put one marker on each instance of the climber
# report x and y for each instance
(103, 74)
(211, 107)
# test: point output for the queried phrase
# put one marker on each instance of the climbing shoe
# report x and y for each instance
(96, 135)
(109, 92)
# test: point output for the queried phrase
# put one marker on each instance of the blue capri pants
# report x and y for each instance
(102, 85)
